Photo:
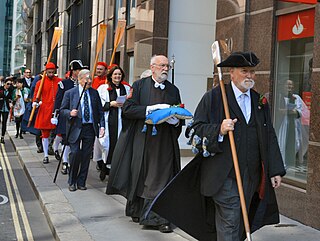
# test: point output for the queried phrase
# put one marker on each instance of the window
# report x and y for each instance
(131, 18)
(131, 69)
(79, 35)
(292, 104)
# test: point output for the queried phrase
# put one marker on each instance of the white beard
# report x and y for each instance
(247, 84)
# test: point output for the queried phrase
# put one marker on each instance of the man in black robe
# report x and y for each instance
(203, 199)
(144, 162)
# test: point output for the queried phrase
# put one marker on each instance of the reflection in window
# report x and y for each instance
(292, 104)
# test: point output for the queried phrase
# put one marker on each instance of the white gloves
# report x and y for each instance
(36, 104)
(173, 120)
(54, 121)
(151, 108)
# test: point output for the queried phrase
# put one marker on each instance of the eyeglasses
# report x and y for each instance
(8, 83)
(27, 72)
(162, 66)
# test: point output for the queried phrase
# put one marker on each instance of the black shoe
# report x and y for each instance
(2, 140)
(50, 151)
(135, 219)
(82, 188)
(72, 188)
(16, 136)
(99, 165)
(40, 150)
(21, 137)
(165, 228)
(57, 155)
(64, 169)
(45, 160)
(104, 172)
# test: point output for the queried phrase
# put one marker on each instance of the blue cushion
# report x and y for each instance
(160, 116)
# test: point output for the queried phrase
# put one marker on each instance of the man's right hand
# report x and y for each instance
(74, 113)
(227, 125)
(36, 104)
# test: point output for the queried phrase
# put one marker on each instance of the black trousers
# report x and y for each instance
(4, 116)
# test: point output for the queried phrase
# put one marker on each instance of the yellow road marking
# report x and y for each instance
(18, 196)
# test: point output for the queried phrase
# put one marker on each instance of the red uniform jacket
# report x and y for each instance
(48, 95)
(97, 81)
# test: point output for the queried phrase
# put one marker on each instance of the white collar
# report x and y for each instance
(238, 92)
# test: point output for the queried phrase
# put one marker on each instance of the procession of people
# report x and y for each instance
(103, 118)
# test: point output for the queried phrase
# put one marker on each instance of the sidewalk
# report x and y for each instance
(93, 215)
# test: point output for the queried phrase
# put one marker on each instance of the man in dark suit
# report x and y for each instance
(86, 122)
(209, 182)
(75, 67)
(27, 80)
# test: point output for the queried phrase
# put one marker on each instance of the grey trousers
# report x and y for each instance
(228, 215)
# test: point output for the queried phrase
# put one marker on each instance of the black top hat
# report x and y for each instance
(76, 64)
(240, 59)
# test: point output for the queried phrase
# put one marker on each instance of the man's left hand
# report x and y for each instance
(101, 133)
(276, 181)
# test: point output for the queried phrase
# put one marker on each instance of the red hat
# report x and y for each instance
(103, 64)
(111, 66)
(51, 65)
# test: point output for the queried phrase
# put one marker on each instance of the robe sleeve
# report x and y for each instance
(204, 124)
(132, 109)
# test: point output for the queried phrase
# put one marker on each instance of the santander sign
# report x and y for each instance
(296, 25)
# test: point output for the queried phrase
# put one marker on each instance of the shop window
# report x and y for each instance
(292, 95)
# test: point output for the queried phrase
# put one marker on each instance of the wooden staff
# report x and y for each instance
(117, 37)
(217, 59)
(101, 37)
(55, 39)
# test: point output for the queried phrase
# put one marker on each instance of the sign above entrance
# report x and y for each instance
(301, 1)
(296, 25)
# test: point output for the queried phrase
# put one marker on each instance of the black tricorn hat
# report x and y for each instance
(76, 64)
(240, 59)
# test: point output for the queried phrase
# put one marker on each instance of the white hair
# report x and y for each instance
(146, 73)
(83, 72)
(153, 59)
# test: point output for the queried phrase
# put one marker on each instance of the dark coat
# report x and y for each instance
(5, 99)
(63, 86)
(128, 154)
(203, 177)
(70, 101)
(25, 84)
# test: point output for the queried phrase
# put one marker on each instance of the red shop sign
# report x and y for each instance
(296, 25)
(301, 1)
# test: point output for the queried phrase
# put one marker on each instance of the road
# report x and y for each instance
(21, 216)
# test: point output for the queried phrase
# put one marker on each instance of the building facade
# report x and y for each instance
(6, 36)
(285, 35)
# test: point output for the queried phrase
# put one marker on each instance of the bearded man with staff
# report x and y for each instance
(206, 194)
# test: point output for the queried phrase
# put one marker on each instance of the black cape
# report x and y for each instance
(181, 201)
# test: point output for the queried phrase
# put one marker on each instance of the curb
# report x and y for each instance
(62, 219)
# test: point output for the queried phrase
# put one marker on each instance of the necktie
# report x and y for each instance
(157, 85)
(86, 107)
(243, 106)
